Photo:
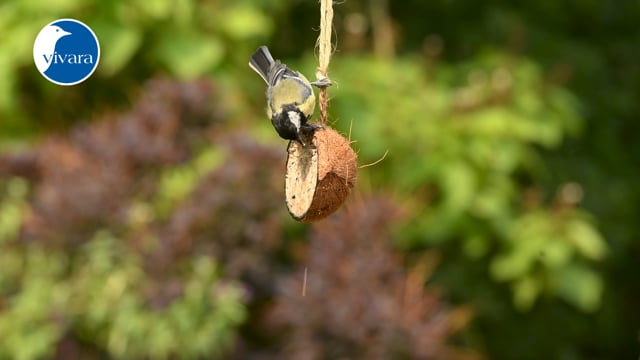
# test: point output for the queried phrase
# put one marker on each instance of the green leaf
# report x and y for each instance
(578, 285)
(57, 7)
(510, 266)
(11, 211)
(492, 122)
(525, 292)
(189, 55)
(118, 45)
(156, 8)
(459, 184)
(586, 239)
(243, 22)
(556, 253)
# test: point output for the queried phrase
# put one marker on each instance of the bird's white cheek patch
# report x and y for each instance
(295, 119)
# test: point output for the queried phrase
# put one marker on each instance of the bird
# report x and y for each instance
(290, 97)
(45, 45)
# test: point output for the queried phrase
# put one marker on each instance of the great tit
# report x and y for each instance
(290, 97)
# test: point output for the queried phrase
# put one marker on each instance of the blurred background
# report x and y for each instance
(142, 212)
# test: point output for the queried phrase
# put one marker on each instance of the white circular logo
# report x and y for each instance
(66, 52)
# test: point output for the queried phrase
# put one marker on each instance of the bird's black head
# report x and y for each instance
(289, 123)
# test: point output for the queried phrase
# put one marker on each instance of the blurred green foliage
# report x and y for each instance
(184, 38)
(99, 294)
(509, 130)
(461, 139)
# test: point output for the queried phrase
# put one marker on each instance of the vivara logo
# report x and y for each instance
(66, 52)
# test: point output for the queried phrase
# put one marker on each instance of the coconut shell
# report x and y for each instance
(319, 176)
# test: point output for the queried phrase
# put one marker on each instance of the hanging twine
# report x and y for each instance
(324, 55)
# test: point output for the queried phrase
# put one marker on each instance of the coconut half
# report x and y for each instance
(320, 175)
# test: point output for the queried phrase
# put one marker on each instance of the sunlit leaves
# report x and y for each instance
(463, 144)
(130, 329)
(243, 22)
(104, 298)
(586, 239)
(458, 186)
(189, 55)
(186, 39)
(118, 45)
(546, 253)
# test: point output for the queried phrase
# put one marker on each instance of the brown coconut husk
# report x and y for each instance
(319, 176)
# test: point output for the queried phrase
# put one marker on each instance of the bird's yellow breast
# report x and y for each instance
(292, 91)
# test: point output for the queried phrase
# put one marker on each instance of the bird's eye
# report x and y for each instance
(57, 30)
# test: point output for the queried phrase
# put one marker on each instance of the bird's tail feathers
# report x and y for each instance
(261, 62)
